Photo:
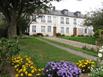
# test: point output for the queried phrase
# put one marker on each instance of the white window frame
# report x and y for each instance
(43, 19)
(43, 28)
(67, 20)
(75, 21)
(49, 19)
(33, 28)
(67, 30)
(62, 30)
(62, 20)
(49, 28)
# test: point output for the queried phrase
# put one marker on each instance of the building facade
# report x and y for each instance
(60, 21)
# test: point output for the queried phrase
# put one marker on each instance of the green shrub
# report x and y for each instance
(97, 72)
(8, 48)
(58, 35)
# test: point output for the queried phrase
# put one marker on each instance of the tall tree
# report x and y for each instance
(95, 19)
(14, 9)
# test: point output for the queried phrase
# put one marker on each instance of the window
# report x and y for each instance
(67, 20)
(62, 29)
(49, 28)
(34, 18)
(62, 20)
(67, 30)
(43, 19)
(49, 19)
(75, 22)
(33, 28)
(42, 28)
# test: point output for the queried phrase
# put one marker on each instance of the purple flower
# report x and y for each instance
(61, 69)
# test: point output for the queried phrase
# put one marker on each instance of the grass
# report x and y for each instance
(89, 40)
(87, 51)
(42, 52)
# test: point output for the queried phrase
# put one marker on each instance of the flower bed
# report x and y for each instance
(24, 67)
(85, 65)
(61, 69)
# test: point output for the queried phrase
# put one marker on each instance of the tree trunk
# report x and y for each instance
(12, 27)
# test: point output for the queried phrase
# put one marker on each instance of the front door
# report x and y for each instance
(54, 31)
(74, 31)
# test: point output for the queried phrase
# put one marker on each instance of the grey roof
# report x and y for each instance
(68, 13)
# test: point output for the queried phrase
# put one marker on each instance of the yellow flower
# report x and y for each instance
(32, 71)
(21, 74)
(38, 74)
(26, 72)
(17, 75)
(17, 69)
(29, 74)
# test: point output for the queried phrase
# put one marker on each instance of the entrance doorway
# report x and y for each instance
(54, 31)
(75, 31)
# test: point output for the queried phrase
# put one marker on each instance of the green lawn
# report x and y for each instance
(89, 40)
(87, 51)
(42, 53)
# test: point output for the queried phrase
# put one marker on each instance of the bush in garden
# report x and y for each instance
(58, 34)
(85, 65)
(24, 67)
(8, 48)
(97, 72)
(61, 69)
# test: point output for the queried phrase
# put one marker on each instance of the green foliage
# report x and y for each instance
(8, 48)
(95, 19)
(21, 8)
(89, 40)
(97, 72)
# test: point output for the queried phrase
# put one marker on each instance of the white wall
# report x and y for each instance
(56, 22)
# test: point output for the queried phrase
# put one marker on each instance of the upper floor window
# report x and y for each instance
(49, 19)
(62, 20)
(43, 19)
(75, 21)
(49, 28)
(67, 20)
(42, 28)
(34, 18)
(33, 28)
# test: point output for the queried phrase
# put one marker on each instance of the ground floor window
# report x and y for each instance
(34, 28)
(67, 30)
(49, 29)
(42, 28)
(62, 29)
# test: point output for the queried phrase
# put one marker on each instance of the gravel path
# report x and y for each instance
(78, 53)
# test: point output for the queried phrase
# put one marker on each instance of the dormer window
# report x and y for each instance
(65, 12)
(77, 13)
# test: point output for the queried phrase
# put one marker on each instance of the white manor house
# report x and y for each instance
(62, 22)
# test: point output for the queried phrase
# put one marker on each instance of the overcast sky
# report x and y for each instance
(79, 5)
